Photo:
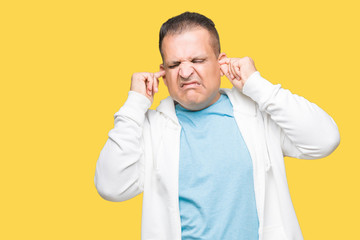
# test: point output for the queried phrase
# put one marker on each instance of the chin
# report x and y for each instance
(194, 105)
(195, 101)
(192, 102)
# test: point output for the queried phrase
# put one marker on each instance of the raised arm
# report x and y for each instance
(119, 170)
(307, 131)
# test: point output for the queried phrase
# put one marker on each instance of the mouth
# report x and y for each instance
(189, 84)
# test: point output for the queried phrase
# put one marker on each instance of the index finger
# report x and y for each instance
(159, 74)
(225, 60)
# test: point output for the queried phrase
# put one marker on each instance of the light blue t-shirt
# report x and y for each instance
(216, 187)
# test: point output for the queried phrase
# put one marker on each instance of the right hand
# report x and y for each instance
(146, 83)
(237, 70)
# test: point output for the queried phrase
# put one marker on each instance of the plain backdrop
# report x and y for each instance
(65, 69)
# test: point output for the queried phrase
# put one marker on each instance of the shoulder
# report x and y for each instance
(241, 103)
(164, 112)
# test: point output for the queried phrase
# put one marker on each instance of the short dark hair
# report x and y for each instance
(187, 21)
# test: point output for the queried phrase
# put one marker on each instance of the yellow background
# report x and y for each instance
(65, 69)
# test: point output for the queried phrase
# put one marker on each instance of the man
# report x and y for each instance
(210, 161)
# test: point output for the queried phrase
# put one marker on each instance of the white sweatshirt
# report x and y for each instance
(142, 155)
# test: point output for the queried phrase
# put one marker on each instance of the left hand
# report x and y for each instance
(237, 70)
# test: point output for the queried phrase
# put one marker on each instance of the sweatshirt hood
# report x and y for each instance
(240, 102)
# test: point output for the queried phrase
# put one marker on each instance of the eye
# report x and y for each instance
(173, 66)
(198, 60)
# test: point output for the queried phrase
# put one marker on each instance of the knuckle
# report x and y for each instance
(134, 75)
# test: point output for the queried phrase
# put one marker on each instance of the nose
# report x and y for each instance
(185, 70)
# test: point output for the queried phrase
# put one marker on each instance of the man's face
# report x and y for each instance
(192, 70)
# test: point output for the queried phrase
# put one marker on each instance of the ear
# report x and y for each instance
(162, 68)
(221, 57)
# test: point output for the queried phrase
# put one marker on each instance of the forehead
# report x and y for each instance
(187, 45)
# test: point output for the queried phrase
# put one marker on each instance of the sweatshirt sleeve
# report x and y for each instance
(307, 131)
(119, 170)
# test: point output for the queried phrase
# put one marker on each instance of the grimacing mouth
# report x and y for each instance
(188, 83)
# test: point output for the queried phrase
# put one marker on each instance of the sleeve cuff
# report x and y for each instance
(259, 89)
(135, 107)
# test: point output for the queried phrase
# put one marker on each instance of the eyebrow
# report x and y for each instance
(173, 63)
